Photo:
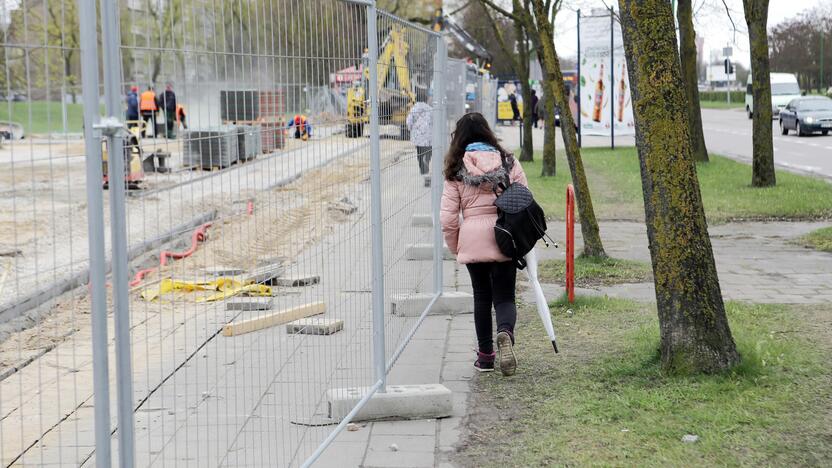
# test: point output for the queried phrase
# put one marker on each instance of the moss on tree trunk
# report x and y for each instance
(557, 89)
(549, 129)
(527, 152)
(756, 16)
(687, 51)
(694, 331)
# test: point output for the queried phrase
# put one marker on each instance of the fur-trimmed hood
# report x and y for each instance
(482, 164)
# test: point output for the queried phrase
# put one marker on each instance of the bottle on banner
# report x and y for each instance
(599, 96)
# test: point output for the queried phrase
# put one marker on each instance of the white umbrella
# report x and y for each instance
(542, 305)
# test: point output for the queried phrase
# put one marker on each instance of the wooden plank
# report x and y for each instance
(277, 318)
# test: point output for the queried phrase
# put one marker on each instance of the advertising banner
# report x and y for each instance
(605, 94)
(505, 91)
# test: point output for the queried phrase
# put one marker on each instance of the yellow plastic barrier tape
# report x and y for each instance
(227, 287)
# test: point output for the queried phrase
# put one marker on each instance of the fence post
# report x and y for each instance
(95, 224)
(379, 354)
(612, 79)
(440, 131)
(112, 127)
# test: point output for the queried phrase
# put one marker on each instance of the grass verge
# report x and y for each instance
(604, 401)
(595, 271)
(615, 181)
(818, 240)
(721, 105)
(43, 116)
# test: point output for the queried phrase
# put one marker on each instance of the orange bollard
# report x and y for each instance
(250, 207)
(570, 243)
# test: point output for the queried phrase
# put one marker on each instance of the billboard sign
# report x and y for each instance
(606, 101)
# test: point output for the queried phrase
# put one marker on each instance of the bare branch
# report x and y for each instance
(464, 6)
(499, 9)
(733, 25)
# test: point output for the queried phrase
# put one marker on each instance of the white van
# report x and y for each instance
(784, 88)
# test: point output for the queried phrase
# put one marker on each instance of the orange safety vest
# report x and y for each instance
(180, 112)
(148, 101)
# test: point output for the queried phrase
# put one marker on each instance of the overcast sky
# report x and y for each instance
(711, 22)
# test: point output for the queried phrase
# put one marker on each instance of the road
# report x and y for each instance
(728, 132)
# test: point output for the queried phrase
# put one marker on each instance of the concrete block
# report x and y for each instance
(249, 303)
(294, 281)
(421, 220)
(266, 274)
(425, 252)
(315, 326)
(449, 303)
(398, 402)
(276, 318)
(223, 271)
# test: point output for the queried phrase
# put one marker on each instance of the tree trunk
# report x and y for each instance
(527, 145)
(549, 129)
(549, 137)
(557, 89)
(694, 331)
(756, 16)
(687, 50)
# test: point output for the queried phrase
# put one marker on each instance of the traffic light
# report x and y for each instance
(729, 67)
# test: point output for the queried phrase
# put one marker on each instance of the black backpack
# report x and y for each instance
(520, 220)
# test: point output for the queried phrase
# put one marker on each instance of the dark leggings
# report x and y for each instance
(493, 283)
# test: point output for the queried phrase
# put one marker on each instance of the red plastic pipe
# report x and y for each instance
(570, 243)
(197, 237)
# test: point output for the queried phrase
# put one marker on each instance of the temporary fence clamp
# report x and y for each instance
(109, 126)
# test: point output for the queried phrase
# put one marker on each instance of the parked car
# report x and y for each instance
(784, 88)
(829, 91)
(807, 115)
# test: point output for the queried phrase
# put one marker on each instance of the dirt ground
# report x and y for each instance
(284, 221)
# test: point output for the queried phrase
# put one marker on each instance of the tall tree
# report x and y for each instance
(687, 51)
(538, 20)
(694, 331)
(522, 41)
(520, 65)
(756, 16)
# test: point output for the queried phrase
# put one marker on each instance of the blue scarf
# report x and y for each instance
(478, 146)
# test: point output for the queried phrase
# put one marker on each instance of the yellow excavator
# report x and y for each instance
(395, 94)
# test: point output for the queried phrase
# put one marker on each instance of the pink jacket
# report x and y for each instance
(472, 239)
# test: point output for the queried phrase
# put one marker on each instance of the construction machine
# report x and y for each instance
(396, 95)
(133, 169)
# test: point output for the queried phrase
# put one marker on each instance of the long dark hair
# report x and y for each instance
(470, 128)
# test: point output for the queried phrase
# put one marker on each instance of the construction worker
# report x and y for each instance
(180, 117)
(303, 129)
(169, 106)
(149, 107)
(133, 106)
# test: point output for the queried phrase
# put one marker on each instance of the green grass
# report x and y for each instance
(818, 240)
(594, 271)
(721, 105)
(603, 401)
(615, 182)
(46, 116)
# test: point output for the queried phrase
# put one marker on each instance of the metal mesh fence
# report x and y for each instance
(184, 284)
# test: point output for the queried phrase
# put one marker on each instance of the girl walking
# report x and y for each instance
(474, 165)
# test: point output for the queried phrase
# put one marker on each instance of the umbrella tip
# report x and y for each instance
(555, 345)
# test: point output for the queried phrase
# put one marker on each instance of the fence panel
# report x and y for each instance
(245, 133)
(45, 348)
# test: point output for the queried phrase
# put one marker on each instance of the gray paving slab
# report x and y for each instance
(756, 261)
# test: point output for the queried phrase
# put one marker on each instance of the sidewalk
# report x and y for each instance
(441, 352)
(510, 139)
(756, 261)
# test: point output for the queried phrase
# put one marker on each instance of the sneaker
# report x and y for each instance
(505, 345)
(484, 362)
